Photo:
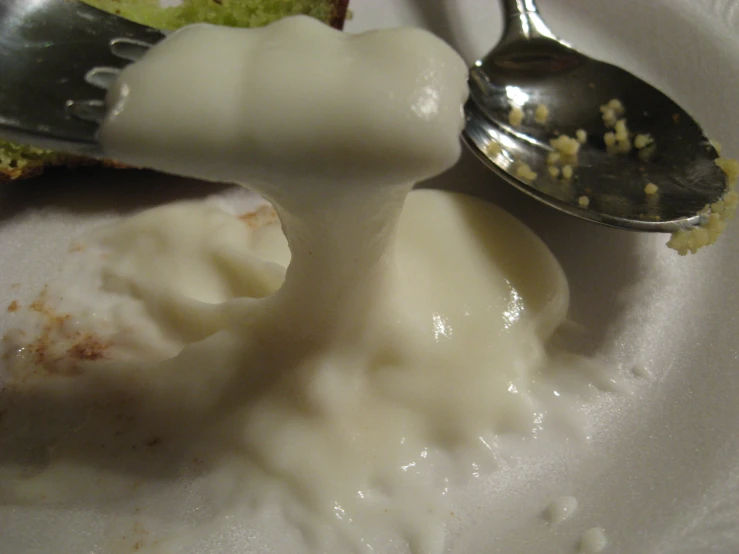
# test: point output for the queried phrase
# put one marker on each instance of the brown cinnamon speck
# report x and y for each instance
(264, 215)
(57, 349)
(89, 347)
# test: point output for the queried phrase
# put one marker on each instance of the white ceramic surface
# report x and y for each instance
(661, 473)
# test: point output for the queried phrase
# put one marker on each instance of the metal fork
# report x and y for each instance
(57, 58)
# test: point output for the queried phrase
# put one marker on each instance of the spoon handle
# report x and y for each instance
(522, 22)
(514, 8)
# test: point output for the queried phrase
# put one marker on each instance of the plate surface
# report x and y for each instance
(661, 472)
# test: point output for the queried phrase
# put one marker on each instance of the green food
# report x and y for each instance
(18, 160)
(233, 13)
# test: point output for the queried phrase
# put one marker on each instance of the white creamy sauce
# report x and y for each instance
(642, 372)
(593, 541)
(347, 371)
(561, 509)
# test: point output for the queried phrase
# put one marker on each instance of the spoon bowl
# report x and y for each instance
(531, 67)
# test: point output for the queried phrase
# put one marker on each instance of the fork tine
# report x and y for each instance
(102, 77)
(87, 110)
(129, 49)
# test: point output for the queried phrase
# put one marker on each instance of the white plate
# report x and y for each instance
(661, 474)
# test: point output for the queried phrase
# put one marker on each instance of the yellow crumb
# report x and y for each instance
(651, 188)
(730, 167)
(718, 214)
(622, 131)
(583, 201)
(581, 135)
(611, 111)
(554, 171)
(616, 105)
(525, 173)
(541, 114)
(565, 145)
(515, 116)
(567, 172)
(609, 116)
(493, 148)
(642, 141)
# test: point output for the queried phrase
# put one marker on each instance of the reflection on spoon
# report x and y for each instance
(586, 137)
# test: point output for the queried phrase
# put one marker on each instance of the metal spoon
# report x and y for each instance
(530, 66)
